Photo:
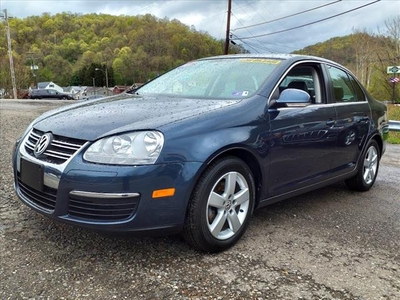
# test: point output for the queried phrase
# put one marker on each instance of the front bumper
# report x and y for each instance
(105, 197)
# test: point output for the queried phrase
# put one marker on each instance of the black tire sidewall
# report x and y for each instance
(201, 194)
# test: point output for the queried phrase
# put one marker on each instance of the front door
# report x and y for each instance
(302, 137)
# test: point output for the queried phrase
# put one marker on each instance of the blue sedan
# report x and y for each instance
(197, 149)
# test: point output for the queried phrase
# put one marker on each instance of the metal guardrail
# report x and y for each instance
(394, 125)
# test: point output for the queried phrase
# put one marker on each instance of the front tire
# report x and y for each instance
(221, 206)
(368, 169)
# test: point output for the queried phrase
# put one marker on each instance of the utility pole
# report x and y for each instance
(107, 80)
(34, 67)
(5, 16)
(106, 74)
(228, 28)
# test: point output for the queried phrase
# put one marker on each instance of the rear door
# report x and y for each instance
(353, 119)
(45, 94)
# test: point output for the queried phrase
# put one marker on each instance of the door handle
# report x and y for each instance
(364, 119)
(330, 122)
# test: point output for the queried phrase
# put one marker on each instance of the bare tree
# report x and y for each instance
(365, 52)
(393, 31)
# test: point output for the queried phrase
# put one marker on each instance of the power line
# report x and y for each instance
(280, 22)
(253, 46)
(247, 44)
(266, 22)
(249, 33)
(261, 44)
(311, 23)
(285, 17)
(245, 8)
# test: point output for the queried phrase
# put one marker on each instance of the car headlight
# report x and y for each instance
(135, 148)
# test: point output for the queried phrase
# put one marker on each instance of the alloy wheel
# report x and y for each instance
(228, 205)
(370, 165)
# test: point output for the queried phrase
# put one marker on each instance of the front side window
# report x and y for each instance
(344, 87)
(227, 78)
(305, 78)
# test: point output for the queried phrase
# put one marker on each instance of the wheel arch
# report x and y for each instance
(379, 140)
(251, 161)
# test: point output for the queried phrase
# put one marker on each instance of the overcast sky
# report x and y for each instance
(211, 16)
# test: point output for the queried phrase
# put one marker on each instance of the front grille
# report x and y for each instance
(59, 151)
(45, 199)
(102, 209)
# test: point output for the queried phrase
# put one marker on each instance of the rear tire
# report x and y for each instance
(368, 169)
(221, 206)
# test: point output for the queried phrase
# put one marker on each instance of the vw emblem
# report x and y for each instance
(227, 204)
(42, 144)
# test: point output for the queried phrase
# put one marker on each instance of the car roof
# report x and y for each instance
(290, 57)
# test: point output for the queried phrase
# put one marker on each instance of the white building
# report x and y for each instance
(50, 85)
(76, 91)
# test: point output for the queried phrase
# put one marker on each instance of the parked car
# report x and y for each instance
(48, 94)
(197, 149)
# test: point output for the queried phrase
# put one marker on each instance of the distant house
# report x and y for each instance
(76, 91)
(118, 89)
(95, 91)
(50, 85)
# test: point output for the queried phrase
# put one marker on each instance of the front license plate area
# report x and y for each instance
(32, 174)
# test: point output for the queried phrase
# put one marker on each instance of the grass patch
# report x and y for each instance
(394, 114)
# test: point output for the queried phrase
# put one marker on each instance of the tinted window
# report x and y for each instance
(344, 87)
(358, 91)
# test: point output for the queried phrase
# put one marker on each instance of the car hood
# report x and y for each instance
(107, 116)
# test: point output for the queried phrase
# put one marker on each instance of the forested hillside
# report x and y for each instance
(367, 56)
(68, 47)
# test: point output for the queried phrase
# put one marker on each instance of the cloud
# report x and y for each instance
(210, 16)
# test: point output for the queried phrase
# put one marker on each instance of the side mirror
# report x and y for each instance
(293, 96)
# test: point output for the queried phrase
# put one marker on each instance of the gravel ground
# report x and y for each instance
(329, 244)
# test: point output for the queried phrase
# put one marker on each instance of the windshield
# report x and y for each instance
(227, 78)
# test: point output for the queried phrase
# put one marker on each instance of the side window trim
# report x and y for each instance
(317, 86)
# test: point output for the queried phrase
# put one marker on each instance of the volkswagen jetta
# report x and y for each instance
(197, 149)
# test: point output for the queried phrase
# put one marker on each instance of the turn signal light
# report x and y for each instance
(163, 193)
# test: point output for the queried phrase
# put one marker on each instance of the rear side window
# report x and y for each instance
(357, 89)
(344, 87)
